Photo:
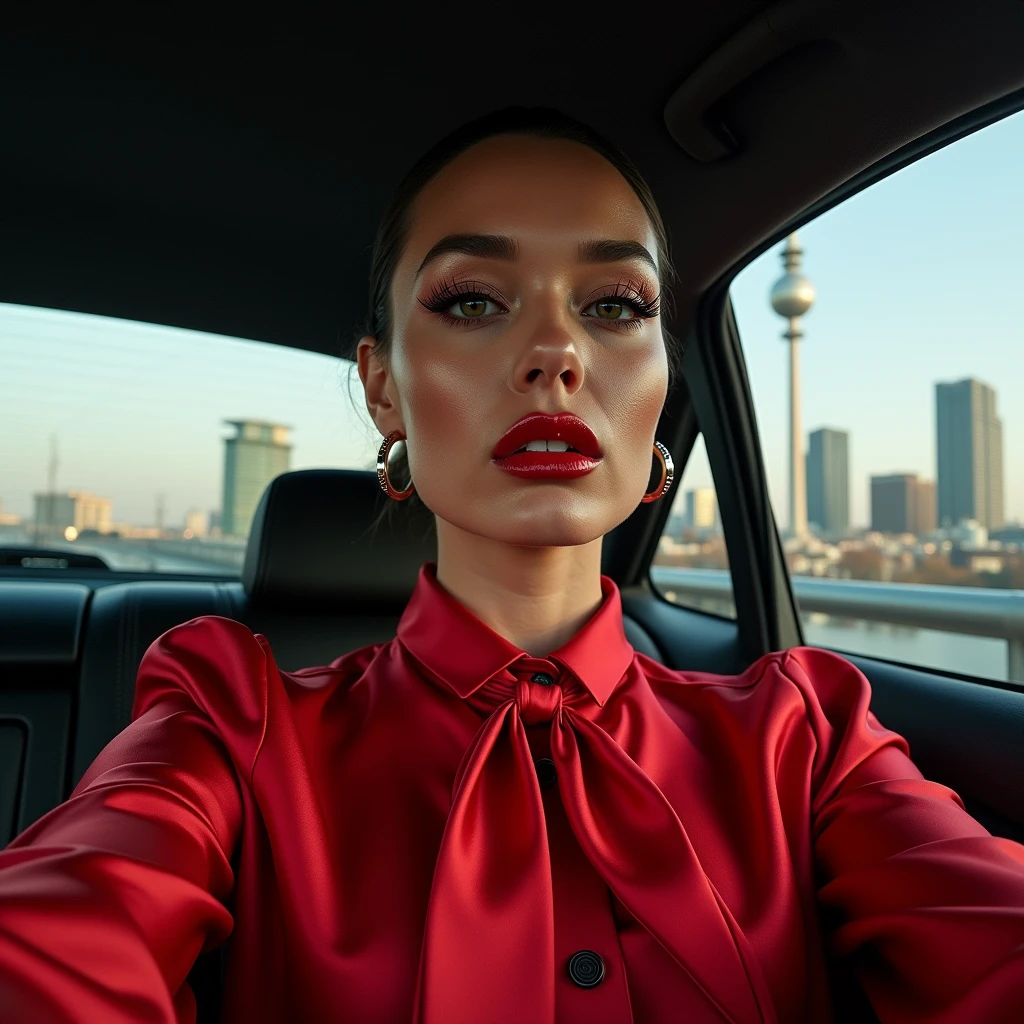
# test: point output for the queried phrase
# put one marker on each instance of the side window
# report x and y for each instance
(147, 448)
(883, 345)
(691, 566)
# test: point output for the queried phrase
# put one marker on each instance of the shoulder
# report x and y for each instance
(804, 692)
(763, 674)
(851, 746)
(821, 677)
(836, 693)
(216, 663)
(804, 703)
(230, 673)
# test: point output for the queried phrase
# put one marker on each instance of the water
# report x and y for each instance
(959, 653)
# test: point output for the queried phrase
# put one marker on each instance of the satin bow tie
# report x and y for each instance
(489, 935)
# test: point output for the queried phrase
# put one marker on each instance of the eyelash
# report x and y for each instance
(634, 293)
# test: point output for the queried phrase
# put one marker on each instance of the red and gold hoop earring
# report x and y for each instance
(382, 468)
(668, 472)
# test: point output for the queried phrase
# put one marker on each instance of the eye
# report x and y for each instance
(611, 309)
(628, 305)
(471, 307)
(457, 304)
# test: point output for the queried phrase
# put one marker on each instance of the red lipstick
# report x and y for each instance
(575, 449)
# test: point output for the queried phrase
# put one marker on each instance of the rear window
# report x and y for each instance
(148, 447)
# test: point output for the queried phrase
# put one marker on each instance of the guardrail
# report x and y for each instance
(228, 553)
(974, 611)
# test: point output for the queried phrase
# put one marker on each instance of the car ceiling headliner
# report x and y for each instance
(230, 179)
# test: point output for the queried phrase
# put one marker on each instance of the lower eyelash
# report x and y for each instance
(458, 321)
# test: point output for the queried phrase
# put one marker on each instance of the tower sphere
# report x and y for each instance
(792, 295)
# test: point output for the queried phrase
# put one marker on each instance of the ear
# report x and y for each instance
(378, 385)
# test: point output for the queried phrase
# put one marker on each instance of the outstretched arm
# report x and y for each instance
(106, 901)
(925, 901)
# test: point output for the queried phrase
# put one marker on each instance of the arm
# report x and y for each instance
(106, 901)
(927, 903)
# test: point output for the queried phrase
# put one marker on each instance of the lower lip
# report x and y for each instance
(547, 465)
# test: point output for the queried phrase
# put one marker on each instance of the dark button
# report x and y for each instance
(543, 678)
(586, 968)
(546, 774)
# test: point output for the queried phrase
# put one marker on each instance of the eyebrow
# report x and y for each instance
(501, 247)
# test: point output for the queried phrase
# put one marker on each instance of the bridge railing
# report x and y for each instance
(975, 611)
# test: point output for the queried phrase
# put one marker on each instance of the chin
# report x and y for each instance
(552, 531)
(538, 522)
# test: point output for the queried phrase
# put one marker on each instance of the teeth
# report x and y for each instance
(546, 446)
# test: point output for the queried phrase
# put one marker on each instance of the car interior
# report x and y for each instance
(230, 178)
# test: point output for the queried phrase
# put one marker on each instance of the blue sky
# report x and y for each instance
(918, 279)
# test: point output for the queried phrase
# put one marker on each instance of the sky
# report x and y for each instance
(919, 279)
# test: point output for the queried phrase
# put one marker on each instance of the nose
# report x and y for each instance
(550, 357)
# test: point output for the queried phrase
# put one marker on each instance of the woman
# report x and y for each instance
(505, 814)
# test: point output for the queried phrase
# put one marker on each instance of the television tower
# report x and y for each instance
(792, 296)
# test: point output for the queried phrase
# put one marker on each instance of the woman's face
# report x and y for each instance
(530, 323)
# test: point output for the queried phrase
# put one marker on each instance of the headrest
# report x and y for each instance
(313, 545)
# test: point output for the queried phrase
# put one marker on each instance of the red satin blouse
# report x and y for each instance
(441, 829)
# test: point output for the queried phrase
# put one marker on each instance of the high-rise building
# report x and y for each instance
(969, 454)
(257, 453)
(56, 512)
(922, 517)
(828, 481)
(891, 502)
(901, 503)
(702, 508)
(8, 518)
(196, 524)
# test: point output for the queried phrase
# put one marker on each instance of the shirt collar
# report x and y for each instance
(451, 643)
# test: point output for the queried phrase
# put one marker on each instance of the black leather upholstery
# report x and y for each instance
(41, 622)
(313, 544)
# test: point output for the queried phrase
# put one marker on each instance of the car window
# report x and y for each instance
(903, 307)
(148, 447)
(691, 564)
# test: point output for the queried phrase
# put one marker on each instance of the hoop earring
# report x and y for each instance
(668, 472)
(382, 468)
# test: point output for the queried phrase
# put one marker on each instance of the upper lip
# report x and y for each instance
(541, 426)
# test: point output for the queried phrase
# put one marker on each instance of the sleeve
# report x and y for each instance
(927, 904)
(106, 901)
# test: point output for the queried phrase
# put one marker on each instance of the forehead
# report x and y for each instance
(539, 191)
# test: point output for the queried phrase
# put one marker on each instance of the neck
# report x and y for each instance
(537, 598)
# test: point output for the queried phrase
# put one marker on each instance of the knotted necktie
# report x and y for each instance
(489, 945)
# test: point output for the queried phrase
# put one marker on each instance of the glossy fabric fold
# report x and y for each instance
(502, 887)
